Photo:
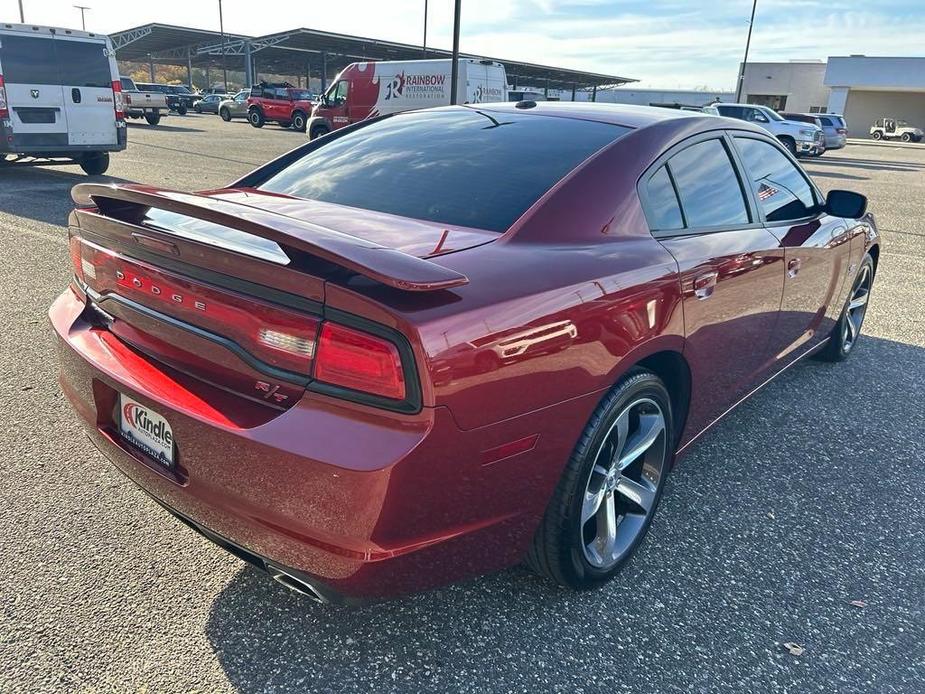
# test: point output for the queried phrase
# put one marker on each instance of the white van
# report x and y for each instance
(60, 97)
(363, 90)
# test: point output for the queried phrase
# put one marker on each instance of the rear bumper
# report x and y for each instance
(52, 144)
(366, 504)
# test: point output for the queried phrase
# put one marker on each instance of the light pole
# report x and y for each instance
(748, 41)
(454, 74)
(424, 47)
(83, 21)
(22, 17)
(221, 28)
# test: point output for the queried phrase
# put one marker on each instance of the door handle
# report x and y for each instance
(75, 95)
(793, 267)
(705, 284)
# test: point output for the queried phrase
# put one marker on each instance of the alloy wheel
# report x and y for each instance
(857, 307)
(622, 488)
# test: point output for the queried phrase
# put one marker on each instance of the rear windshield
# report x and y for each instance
(462, 166)
(44, 60)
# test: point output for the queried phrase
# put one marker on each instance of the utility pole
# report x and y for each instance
(748, 41)
(82, 8)
(454, 78)
(221, 28)
(424, 46)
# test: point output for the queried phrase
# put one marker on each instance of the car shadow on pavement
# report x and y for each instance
(165, 128)
(42, 193)
(871, 164)
(834, 174)
(801, 501)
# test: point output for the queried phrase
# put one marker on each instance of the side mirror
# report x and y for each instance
(845, 203)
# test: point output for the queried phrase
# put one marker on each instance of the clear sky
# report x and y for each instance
(663, 43)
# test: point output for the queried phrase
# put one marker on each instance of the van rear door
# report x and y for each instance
(86, 78)
(33, 89)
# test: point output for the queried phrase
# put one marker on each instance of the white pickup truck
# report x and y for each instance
(799, 138)
(138, 104)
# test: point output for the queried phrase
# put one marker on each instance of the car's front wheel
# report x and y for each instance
(225, 114)
(847, 330)
(790, 144)
(182, 110)
(906, 137)
(319, 130)
(605, 501)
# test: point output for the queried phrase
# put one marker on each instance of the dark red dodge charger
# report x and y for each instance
(435, 344)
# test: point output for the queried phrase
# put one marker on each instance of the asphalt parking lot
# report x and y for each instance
(807, 498)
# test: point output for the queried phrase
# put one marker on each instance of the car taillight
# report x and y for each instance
(4, 107)
(842, 131)
(359, 361)
(118, 103)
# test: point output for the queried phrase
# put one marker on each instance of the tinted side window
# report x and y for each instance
(783, 193)
(83, 63)
(663, 211)
(825, 121)
(28, 60)
(708, 186)
(732, 112)
(464, 167)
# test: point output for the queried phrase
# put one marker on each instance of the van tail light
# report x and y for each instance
(117, 100)
(4, 106)
(842, 131)
(359, 361)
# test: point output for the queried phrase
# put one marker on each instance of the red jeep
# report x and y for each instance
(279, 103)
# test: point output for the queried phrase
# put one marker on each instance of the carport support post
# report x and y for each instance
(248, 65)
(573, 91)
(151, 66)
(594, 93)
(454, 75)
(324, 72)
(546, 89)
(189, 68)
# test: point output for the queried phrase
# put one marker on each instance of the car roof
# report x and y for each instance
(628, 115)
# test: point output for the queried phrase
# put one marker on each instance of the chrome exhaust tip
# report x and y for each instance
(295, 583)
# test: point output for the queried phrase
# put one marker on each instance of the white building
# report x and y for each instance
(861, 88)
(795, 86)
(656, 97)
(865, 89)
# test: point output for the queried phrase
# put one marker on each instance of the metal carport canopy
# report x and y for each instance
(302, 51)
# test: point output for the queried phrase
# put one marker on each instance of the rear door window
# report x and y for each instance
(708, 186)
(28, 60)
(663, 211)
(462, 167)
(826, 121)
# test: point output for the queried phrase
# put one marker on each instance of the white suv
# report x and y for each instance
(799, 138)
(60, 97)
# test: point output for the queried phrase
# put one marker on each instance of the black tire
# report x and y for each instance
(182, 110)
(153, 118)
(842, 340)
(255, 118)
(878, 135)
(298, 121)
(906, 137)
(94, 163)
(560, 549)
(319, 130)
(790, 144)
(225, 114)
(197, 107)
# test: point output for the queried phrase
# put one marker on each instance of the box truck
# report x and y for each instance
(364, 90)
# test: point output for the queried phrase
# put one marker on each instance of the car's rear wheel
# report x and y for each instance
(605, 501)
(298, 121)
(225, 114)
(94, 163)
(255, 118)
(197, 107)
(878, 135)
(153, 118)
(847, 330)
(182, 110)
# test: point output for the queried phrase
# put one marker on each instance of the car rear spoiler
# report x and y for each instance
(386, 265)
